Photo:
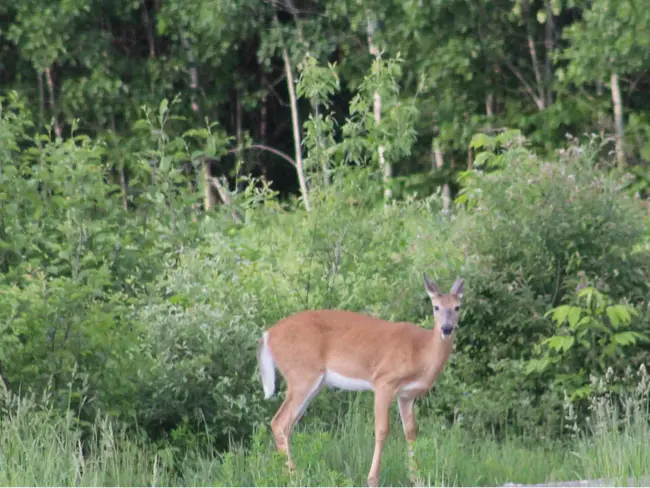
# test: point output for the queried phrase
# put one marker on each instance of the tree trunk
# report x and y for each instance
(295, 123)
(147, 25)
(123, 186)
(549, 45)
(489, 105)
(446, 193)
(41, 101)
(540, 97)
(618, 120)
(50, 87)
(193, 72)
(385, 167)
(208, 196)
(264, 115)
(239, 131)
(224, 194)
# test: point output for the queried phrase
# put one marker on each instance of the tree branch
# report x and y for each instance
(224, 194)
(270, 149)
(529, 89)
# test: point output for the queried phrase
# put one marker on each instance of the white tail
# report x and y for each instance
(352, 351)
(267, 366)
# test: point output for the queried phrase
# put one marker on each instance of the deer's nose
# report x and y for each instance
(447, 329)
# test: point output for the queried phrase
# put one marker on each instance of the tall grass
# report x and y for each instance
(37, 447)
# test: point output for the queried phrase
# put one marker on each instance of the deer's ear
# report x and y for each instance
(457, 287)
(431, 288)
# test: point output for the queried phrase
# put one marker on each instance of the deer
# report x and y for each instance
(358, 352)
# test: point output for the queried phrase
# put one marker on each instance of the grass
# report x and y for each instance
(38, 447)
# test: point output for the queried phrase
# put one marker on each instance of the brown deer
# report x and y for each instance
(352, 351)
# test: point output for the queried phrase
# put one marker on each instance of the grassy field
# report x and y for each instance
(37, 449)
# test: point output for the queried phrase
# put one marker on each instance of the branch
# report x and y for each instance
(224, 194)
(270, 149)
(529, 89)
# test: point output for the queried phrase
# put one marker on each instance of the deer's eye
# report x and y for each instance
(457, 308)
(436, 308)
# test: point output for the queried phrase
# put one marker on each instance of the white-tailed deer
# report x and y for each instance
(353, 351)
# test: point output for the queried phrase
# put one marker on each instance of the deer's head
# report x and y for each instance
(446, 306)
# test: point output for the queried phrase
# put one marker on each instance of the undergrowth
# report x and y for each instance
(38, 447)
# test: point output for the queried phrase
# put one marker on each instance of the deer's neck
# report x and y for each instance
(436, 355)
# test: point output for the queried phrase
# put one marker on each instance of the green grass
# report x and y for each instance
(38, 448)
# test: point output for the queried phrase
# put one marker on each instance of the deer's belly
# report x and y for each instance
(414, 389)
(336, 380)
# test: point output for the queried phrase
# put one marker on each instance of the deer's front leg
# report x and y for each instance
(383, 397)
(410, 431)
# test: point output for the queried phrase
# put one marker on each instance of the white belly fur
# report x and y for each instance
(337, 380)
(414, 386)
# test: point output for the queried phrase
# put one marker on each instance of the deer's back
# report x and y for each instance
(349, 343)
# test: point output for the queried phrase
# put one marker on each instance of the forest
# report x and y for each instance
(177, 176)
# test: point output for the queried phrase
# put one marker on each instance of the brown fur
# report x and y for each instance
(399, 359)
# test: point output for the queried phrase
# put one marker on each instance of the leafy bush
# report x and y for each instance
(531, 233)
(592, 336)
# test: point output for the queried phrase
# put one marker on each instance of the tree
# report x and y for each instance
(610, 41)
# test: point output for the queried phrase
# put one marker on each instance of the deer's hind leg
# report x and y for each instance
(300, 392)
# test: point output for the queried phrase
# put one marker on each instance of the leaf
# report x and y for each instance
(626, 338)
(482, 158)
(537, 365)
(560, 343)
(480, 141)
(163, 108)
(620, 314)
(584, 322)
(560, 314)
(573, 316)
(582, 392)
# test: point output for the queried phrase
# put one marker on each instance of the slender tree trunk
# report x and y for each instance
(489, 104)
(122, 170)
(192, 70)
(312, 103)
(208, 180)
(540, 97)
(549, 45)
(385, 167)
(123, 186)
(50, 87)
(295, 123)
(446, 193)
(264, 119)
(264, 115)
(147, 25)
(239, 132)
(224, 194)
(41, 114)
(617, 99)
(208, 196)
(41, 100)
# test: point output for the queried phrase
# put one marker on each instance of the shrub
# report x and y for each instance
(532, 231)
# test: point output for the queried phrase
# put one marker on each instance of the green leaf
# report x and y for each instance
(560, 314)
(582, 392)
(560, 343)
(625, 338)
(573, 316)
(163, 108)
(537, 365)
(482, 141)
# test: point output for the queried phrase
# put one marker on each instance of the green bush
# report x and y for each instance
(532, 232)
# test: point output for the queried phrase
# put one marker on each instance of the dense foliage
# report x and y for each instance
(157, 224)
